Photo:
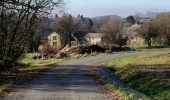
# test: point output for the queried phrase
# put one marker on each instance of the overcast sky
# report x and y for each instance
(92, 8)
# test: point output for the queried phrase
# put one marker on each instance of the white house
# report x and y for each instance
(94, 38)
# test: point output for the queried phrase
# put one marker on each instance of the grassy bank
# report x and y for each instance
(147, 74)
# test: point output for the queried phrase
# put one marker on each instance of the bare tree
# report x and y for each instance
(163, 21)
(98, 24)
(150, 32)
(113, 32)
(18, 19)
(67, 26)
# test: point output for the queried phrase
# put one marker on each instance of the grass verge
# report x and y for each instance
(148, 74)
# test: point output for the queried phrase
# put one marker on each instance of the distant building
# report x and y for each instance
(54, 40)
(94, 38)
(143, 20)
(134, 38)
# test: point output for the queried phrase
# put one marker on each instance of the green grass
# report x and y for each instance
(142, 46)
(147, 74)
(38, 63)
(145, 48)
(123, 93)
(5, 85)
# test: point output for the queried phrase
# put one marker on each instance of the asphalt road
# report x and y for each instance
(69, 81)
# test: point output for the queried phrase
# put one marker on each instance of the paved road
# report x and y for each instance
(69, 81)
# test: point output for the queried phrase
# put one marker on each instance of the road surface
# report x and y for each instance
(69, 81)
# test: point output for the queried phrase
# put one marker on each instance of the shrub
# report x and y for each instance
(61, 55)
(48, 51)
(92, 49)
(108, 51)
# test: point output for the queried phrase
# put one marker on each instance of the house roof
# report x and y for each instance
(53, 34)
(94, 35)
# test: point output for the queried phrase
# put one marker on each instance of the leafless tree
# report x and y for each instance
(149, 31)
(18, 19)
(163, 22)
(113, 32)
(67, 26)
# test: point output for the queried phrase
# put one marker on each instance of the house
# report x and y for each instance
(54, 40)
(134, 38)
(94, 38)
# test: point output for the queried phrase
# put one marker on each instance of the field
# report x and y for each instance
(147, 74)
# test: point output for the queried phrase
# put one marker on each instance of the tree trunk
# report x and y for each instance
(69, 39)
(75, 38)
(69, 43)
(149, 43)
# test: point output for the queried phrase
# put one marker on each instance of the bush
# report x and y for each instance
(121, 41)
(108, 51)
(115, 48)
(48, 51)
(61, 55)
(92, 49)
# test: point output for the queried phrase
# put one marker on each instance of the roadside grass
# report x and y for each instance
(145, 48)
(5, 85)
(154, 49)
(38, 63)
(116, 87)
(142, 46)
(148, 74)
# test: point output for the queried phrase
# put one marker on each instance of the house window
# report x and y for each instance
(54, 37)
(54, 43)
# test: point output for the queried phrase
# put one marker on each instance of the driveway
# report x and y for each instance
(69, 81)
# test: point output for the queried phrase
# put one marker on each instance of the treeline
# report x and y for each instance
(154, 30)
(157, 30)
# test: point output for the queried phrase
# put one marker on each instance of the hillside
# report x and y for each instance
(107, 17)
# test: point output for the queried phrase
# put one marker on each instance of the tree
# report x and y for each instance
(98, 24)
(34, 41)
(130, 20)
(113, 32)
(67, 27)
(149, 31)
(163, 21)
(18, 19)
(120, 40)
